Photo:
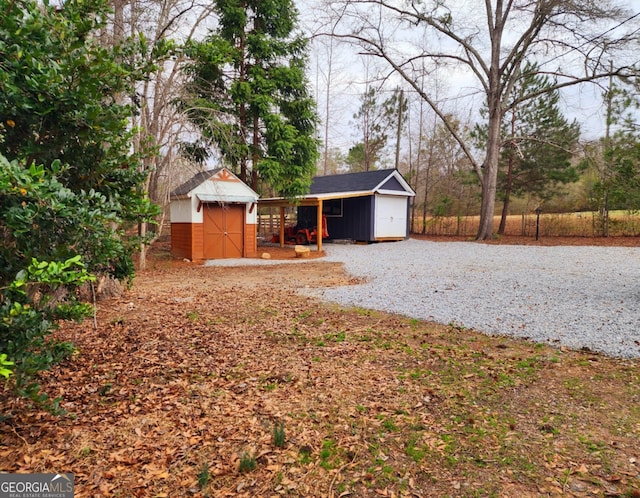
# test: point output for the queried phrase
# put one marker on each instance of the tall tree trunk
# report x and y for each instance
(418, 156)
(489, 180)
(509, 179)
(326, 117)
(118, 21)
(505, 203)
(142, 259)
(242, 114)
(255, 156)
(399, 129)
(487, 208)
(426, 196)
(604, 209)
(489, 175)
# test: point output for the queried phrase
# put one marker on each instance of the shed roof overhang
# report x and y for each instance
(242, 199)
(314, 199)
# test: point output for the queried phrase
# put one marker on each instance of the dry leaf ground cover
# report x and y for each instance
(209, 381)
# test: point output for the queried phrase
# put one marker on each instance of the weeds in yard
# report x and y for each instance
(337, 337)
(204, 476)
(305, 454)
(363, 311)
(591, 445)
(247, 463)
(329, 458)
(104, 390)
(279, 437)
(390, 425)
(413, 451)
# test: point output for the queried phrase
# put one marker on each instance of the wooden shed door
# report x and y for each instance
(223, 231)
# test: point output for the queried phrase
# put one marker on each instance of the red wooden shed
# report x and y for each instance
(214, 215)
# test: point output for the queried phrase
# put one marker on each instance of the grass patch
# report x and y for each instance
(247, 463)
(279, 436)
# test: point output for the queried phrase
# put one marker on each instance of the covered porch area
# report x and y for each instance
(281, 204)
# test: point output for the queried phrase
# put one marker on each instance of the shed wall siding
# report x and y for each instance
(187, 240)
(251, 241)
(181, 211)
(251, 215)
(181, 240)
(355, 222)
(196, 214)
(197, 241)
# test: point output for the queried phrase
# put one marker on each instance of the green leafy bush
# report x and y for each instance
(65, 122)
(30, 309)
(4, 363)
(71, 183)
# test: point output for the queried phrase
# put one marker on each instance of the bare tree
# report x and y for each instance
(571, 40)
(161, 26)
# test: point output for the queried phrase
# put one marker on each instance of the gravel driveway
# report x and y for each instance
(577, 297)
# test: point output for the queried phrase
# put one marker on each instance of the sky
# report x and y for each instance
(349, 73)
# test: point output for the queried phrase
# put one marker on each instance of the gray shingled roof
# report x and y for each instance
(189, 185)
(349, 182)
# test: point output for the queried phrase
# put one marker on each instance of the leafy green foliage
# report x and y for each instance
(616, 159)
(61, 99)
(41, 218)
(70, 185)
(375, 120)
(248, 96)
(30, 308)
(540, 140)
(537, 140)
(4, 363)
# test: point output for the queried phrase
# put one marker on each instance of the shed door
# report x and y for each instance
(390, 217)
(223, 231)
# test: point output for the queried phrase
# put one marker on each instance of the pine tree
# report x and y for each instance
(247, 94)
(537, 143)
(375, 120)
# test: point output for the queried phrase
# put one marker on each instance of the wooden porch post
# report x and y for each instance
(319, 230)
(281, 226)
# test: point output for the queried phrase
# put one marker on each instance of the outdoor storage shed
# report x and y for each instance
(368, 206)
(214, 215)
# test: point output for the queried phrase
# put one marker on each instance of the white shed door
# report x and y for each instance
(391, 217)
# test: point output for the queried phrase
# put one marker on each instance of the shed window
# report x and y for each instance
(332, 208)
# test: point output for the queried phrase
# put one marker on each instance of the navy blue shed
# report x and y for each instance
(368, 206)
